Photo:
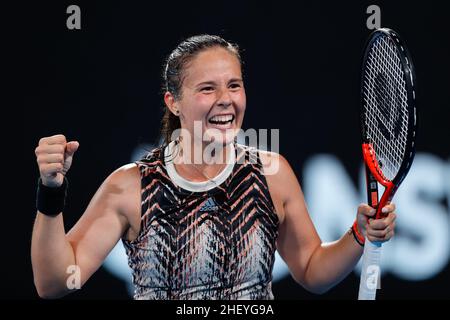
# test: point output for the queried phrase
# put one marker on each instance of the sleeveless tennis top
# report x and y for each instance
(204, 240)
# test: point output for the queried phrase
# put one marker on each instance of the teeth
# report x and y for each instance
(225, 118)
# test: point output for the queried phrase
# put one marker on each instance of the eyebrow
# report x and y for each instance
(212, 82)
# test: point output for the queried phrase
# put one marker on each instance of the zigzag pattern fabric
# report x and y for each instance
(184, 251)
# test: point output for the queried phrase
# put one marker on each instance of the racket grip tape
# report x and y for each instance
(370, 272)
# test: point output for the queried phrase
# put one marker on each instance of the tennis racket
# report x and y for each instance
(388, 122)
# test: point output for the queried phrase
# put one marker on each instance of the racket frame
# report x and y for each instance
(370, 274)
(369, 156)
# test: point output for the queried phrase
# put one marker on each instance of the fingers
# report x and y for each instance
(71, 147)
(51, 149)
(56, 139)
(364, 213)
(46, 149)
(54, 155)
(53, 144)
(377, 230)
(50, 169)
(381, 230)
(56, 144)
(366, 210)
(379, 224)
(383, 238)
(380, 233)
(46, 158)
(389, 207)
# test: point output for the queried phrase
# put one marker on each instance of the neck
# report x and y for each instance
(202, 153)
(199, 162)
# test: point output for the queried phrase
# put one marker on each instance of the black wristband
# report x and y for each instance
(51, 201)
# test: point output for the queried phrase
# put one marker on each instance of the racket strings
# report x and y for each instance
(386, 108)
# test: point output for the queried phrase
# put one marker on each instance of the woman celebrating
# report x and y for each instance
(194, 229)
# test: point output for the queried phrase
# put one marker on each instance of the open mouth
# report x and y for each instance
(222, 119)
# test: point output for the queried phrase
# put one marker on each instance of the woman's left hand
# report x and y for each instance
(378, 230)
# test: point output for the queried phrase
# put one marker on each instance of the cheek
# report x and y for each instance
(241, 103)
(197, 108)
(202, 103)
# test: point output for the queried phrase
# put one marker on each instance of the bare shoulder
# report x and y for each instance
(118, 197)
(125, 183)
(275, 165)
(124, 176)
(279, 176)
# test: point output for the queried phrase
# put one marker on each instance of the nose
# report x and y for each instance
(224, 98)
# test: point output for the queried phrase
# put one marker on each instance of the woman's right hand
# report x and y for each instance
(54, 157)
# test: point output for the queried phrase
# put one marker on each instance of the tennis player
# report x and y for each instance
(194, 229)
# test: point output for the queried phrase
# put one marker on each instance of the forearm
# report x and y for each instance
(51, 255)
(331, 263)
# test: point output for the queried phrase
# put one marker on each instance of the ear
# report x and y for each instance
(171, 103)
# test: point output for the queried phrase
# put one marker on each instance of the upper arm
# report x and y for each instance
(105, 220)
(297, 239)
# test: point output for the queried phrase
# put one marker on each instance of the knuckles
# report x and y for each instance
(50, 154)
(46, 158)
(49, 149)
(56, 139)
(364, 209)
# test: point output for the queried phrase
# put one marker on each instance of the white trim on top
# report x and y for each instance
(202, 185)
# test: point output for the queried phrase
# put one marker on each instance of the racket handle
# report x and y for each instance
(371, 272)
(372, 189)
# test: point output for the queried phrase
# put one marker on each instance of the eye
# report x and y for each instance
(235, 85)
(207, 89)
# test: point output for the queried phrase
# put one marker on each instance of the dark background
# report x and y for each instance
(101, 85)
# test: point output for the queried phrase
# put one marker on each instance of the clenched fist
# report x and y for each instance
(54, 157)
(377, 230)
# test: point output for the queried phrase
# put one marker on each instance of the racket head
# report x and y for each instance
(388, 107)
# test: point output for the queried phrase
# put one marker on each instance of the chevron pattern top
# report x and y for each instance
(213, 244)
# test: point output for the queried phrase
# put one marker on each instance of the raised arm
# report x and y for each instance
(315, 265)
(87, 244)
